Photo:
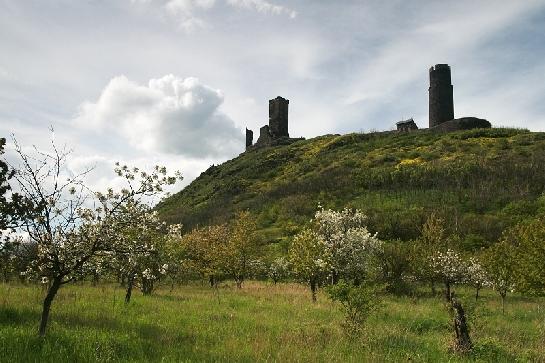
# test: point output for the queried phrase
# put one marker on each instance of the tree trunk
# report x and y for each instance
(313, 289)
(147, 286)
(447, 291)
(212, 280)
(503, 303)
(51, 292)
(239, 279)
(463, 341)
(432, 284)
(130, 281)
(334, 277)
(95, 279)
(477, 293)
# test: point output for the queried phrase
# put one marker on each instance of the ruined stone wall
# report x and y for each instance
(464, 123)
(441, 103)
(249, 138)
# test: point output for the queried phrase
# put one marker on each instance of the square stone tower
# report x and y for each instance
(278, 117)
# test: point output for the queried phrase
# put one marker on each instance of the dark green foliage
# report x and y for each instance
(395, 264)
(357, 301)
(6, 207)
(13, 255)
(13, 206)
(527, 239)
(479, 181)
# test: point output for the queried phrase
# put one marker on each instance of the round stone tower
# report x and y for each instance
(441, 101)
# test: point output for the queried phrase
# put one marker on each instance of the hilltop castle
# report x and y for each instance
(441, 114)
(276, 132)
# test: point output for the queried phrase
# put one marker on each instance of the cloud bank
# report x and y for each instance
(168, 115)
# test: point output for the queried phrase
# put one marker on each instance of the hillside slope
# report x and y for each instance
(480, 180)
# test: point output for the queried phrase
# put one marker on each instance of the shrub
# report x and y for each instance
(358, 303)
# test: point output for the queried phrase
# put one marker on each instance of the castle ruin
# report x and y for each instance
(249, 138)
(276, 132)
(441, 114)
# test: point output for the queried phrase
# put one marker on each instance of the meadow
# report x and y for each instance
(260, 322)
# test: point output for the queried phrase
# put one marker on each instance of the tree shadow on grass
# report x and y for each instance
(13, 316)
(73, 320)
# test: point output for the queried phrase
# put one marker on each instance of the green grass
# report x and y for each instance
(261, 322)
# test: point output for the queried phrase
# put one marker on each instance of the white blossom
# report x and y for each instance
(449, 265)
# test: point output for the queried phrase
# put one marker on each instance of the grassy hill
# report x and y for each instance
(479, 180)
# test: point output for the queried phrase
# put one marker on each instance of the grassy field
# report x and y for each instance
(261, 322)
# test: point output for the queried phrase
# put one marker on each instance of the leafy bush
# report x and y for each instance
(358, 303)
(395, 263)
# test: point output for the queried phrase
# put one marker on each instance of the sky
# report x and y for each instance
(176, 82)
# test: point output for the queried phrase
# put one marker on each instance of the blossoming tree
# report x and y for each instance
(74, 228)
(449, 267)
(142, 252)
(278, 269)
(476, 275)
(349, 243)
(310, 259)
(337, 241)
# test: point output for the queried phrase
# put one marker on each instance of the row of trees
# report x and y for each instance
(514, 263)
(226, 250)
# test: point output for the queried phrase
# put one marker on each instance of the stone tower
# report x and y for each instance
(441, 101)
(278, 117)
(249, 138)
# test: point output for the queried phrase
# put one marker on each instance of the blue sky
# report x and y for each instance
(175, 82)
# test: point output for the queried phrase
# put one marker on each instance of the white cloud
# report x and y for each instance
(169, 115)
(187, 12)
(263, 6)
(184, 11)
